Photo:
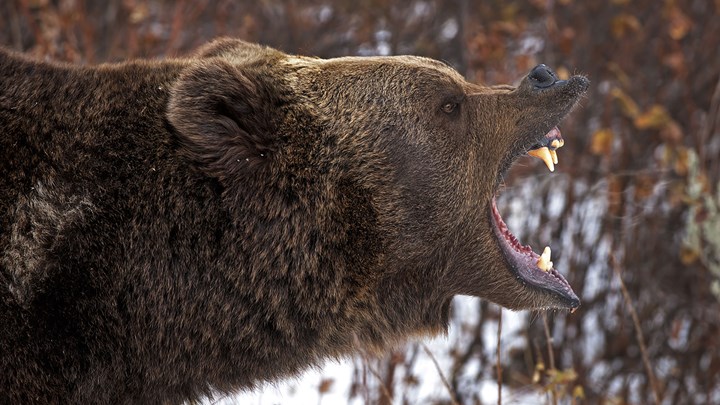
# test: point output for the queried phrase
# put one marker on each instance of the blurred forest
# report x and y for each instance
(634, 204)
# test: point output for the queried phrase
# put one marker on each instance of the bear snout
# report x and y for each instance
(542, 77)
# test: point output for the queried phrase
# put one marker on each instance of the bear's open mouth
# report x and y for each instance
(535, 270)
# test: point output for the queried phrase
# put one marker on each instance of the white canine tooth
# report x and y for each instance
(544, 262)
(544, 155)
(547, 253)
(553, 154)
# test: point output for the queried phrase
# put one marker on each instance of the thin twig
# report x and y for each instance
(549, 341)
(366, 363)
(551, 353)
(638, 330)
(442, 376)
(498, 366)
(386, 393)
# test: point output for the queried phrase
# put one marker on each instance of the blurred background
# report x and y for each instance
(632, 212)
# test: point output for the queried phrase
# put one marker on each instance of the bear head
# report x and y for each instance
(400, 157)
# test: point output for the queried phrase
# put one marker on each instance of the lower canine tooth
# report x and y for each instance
(544, 262)
(544, 155)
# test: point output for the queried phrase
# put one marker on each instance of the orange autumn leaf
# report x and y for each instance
(562, 73)
(624, 24)
(601, 142)
(656, 117)
(679, 24)
(627, 105)
(676, 61)
(688, 255)
(325, 385)
(682, 161)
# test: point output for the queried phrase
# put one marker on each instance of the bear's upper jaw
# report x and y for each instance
(546, 150)
(531, 269)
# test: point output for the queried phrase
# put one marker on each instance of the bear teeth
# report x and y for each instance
(544, 262)
(546, 155)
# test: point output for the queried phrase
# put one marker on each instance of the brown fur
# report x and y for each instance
(175, 227)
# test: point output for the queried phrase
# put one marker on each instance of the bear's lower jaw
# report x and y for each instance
(526, 265)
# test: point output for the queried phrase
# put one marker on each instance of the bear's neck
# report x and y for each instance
(418, 308)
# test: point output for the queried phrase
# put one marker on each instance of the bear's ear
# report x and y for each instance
(224, 118)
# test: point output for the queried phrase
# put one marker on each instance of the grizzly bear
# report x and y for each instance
(173, 229)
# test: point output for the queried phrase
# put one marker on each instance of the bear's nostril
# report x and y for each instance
(542, 76)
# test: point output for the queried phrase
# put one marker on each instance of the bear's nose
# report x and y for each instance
(542, 76)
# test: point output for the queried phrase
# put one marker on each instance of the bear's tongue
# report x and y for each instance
(531, 268)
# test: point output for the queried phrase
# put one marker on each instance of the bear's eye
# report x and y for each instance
(449, 107)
